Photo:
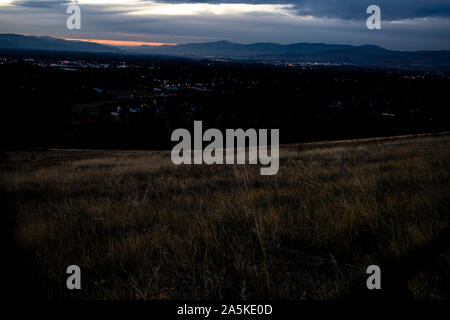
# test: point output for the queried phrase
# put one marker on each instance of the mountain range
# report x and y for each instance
(21, 42)
(365, 55)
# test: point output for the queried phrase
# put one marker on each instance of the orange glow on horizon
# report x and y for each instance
(123, 43)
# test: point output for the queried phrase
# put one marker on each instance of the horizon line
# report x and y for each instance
(133, 43)
(125, 43)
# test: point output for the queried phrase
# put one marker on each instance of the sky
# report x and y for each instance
(406, 24)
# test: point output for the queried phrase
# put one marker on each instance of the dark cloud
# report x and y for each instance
(341, 9)
(41, 4)
(353, 9)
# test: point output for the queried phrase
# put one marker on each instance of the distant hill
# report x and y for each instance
(16, 41)
(236, 50)
(366, 55)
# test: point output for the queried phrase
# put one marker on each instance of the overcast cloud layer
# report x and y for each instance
(406, 24)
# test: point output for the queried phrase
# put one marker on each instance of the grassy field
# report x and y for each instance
(141, 228)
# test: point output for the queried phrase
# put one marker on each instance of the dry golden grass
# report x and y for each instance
(141, 228)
